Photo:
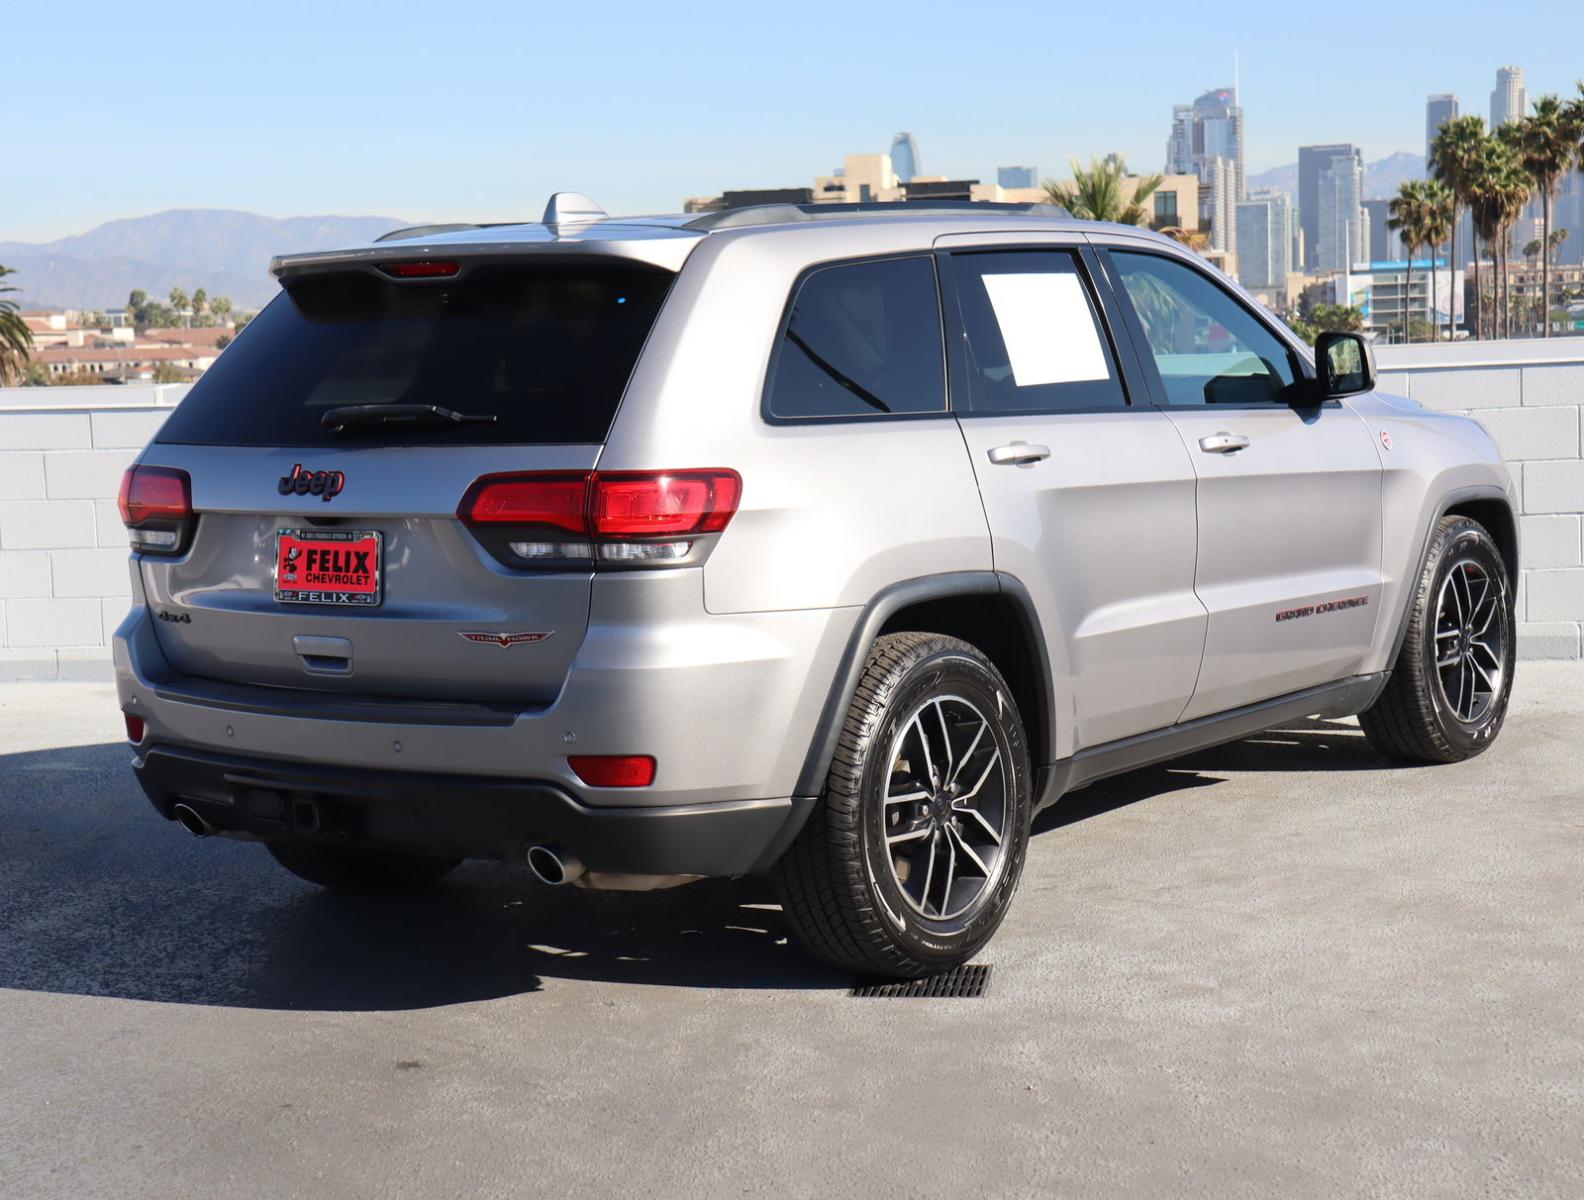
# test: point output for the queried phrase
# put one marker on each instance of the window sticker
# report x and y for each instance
(1048, 328)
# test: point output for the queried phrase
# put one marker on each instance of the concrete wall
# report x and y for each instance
(64, 585)
(1530, 396)
(63, 572)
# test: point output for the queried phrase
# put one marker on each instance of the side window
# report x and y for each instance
(862, 339)
(1208, 348)
(1034, 340)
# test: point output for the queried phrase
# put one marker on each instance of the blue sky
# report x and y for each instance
(477, 110)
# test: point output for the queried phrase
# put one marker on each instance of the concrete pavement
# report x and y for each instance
(1283, 967)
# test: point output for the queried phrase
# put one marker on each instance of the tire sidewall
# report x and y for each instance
(940, 674)
(1468, 541)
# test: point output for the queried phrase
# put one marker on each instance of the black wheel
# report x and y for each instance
(359, 870)
(1447, 696)
(909, 861)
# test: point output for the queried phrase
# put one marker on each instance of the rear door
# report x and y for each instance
(1289, 549)
(1090, 498)
(329, 451)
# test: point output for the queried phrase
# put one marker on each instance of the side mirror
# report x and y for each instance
(1345, 364)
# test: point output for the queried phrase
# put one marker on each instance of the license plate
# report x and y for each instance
(327, 566)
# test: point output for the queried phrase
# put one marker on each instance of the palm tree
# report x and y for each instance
(1500, 189)
(1097, 193)
(1546, 141)
(1436, 228)
(16, 339)
(1194, 239)
(1454, 155)
(1406, 217)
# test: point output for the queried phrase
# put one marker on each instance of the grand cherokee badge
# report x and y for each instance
(504, 639)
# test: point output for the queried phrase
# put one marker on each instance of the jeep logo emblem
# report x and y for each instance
(325, 484)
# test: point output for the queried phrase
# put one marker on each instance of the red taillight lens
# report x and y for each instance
(620, 516)
(154, 494)
(614, 770)
(662, 503)
(420, 270)
(135, 728)
(557, 500)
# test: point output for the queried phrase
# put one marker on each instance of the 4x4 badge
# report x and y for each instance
(505, 639)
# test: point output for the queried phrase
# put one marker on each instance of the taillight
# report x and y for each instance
(613, 770)
(618, 517)
(156, 508)
(427, 269)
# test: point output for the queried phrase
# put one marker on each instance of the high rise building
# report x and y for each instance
(1384, 246)
(905, 157)
(1017, 177)
(1264, 240)
(1218, 202)
(1438, 111)
(1209, 128)
(1312, 160)
(1510, 99)
(1342, 236)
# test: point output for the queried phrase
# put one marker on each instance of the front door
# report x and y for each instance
(1289, 547)
(1090, 500)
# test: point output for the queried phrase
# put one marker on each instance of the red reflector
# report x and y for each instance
(154, 494)
(420, 270)
(135, 728)
(550, 499)
(662, 503)
(614, 770)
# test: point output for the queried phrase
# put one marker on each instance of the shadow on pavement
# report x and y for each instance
(101, 897)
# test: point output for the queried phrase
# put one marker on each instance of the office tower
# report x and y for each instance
(1438, 111)
(1209, 128)
(1510, 99)
(1383, 244)
(1017, 177)
(1312, 160)
(1264, 240)
(1342, 233)
(905, 157)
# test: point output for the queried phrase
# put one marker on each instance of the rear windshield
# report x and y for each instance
(545, 350)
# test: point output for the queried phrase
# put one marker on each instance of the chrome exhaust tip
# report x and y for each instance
(189, 819)
(552, 866)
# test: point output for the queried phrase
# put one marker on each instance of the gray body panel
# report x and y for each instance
(1152, 572)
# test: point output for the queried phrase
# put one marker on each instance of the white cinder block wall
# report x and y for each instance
(63, 568)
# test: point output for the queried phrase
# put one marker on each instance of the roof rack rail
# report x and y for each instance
(779, 214)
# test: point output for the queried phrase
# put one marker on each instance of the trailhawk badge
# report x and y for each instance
(504, 639)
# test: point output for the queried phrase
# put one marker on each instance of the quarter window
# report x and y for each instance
(862, 340)
(1208, 348)
(1034, 339)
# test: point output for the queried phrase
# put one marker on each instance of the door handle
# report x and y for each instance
(1223, 443)
(1018, 454)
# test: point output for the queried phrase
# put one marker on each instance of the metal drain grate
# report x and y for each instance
(960, 983)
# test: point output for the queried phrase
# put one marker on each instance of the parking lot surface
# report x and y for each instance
(1282, 967)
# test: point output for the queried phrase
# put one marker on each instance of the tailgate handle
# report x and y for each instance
(324, 655)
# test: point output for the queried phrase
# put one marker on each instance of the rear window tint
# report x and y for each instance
(546, 350)
(862, 340)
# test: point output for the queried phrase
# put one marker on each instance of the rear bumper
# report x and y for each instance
(463, 816)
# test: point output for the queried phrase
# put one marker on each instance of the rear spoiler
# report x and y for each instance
(657, 246)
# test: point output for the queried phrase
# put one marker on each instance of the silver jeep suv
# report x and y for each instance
(832, 542)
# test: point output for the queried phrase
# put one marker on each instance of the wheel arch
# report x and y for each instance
(991, 610)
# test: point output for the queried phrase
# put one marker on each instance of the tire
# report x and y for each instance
(912, 887)
(345, 869)
(1435, 709)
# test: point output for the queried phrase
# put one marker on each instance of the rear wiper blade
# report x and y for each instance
(412, 416)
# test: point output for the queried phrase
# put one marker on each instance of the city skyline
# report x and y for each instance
(486, 132)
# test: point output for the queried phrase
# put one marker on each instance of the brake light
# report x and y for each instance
(156, 508)
(420, 270)
(613, 770)
(626, 517)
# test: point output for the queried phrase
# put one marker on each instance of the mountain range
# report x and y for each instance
(1382, 177)
(224, 252)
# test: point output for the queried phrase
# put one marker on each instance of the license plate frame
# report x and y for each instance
(354, 594)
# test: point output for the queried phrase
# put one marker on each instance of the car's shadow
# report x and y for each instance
(100, 897)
